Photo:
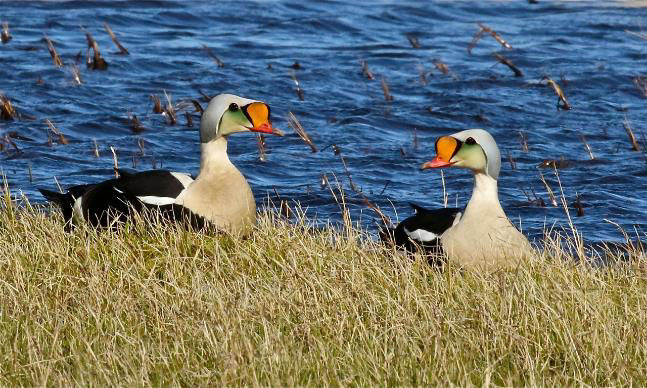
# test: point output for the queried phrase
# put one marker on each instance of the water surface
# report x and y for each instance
(583, 46)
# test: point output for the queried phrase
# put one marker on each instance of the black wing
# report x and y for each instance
(422, 231)
(66, 200)
(153, 183)
(116, 199)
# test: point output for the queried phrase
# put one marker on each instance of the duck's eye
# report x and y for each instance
(470, 141)
(233, 107)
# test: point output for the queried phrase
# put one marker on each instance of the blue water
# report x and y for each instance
(582, 46)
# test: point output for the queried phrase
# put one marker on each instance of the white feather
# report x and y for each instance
(457, 219)
(77, 212)
(421, 235)
(157, 201)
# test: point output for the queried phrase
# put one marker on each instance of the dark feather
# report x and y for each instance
(435, 221)
(66, 200)
(116, 199)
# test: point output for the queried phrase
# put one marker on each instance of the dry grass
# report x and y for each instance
(298, 305)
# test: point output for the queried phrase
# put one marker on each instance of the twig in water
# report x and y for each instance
(76, 74)
(205, 97)
(485, 29)
(169, 110)
(122, 49)
(506, 61)
(189, 119)
(366, 71)
(524, 141)
(385, 89)
(96, 62)
(416, 142)
(475, 40)
(385, 186)
(641, 35)
(445, 195)
(299, 91)
(555, 164)
(7, 139)
(513, 163)
(157, 104)
(534, 200)
(96, 148)
(77, 58)
(7, 111)
(578, 205)
(115, 162)
(641, 84)
(5, 36)
(443, 68)
(495, 35)
(213, 56)
(561, 98)
(60, 189)
(348, 174)
(632, 138)
(551, 195)
(324, 181)
(135, 124)
(294, 123)
(586, 145)
(198, 107)
(260, 139)
(52, 51)
(415, 43)
(423, 74)
(141, 145)
(59, 134)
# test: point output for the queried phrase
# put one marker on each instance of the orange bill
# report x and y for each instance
(446, 147)
(259, 114)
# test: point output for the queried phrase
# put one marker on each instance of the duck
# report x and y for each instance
(219, 195)
(480, 235)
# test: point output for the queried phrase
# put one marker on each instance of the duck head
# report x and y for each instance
(227, 114)
(474, 149)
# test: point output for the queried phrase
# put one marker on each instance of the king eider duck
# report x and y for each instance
(481, 234)
(219, 195)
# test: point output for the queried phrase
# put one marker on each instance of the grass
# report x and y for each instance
(297, 305)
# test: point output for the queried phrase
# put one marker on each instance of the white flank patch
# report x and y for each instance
(185, 179)
(421, 235)
(77, 212)
(157, 201)
(457, 219)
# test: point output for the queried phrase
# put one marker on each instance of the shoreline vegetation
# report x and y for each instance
(295, 304)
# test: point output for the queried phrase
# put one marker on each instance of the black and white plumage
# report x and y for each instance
(422, 231)
(481, 236)
(113, 200)
(219, 195)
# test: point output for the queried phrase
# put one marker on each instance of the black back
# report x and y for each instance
(436, 221)
(116, 199)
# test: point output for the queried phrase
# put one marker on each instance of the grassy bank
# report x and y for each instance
(294, 305)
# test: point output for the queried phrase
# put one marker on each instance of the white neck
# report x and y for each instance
(485, 197)
(213, 157)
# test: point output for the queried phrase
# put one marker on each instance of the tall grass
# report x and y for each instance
(297, 305)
